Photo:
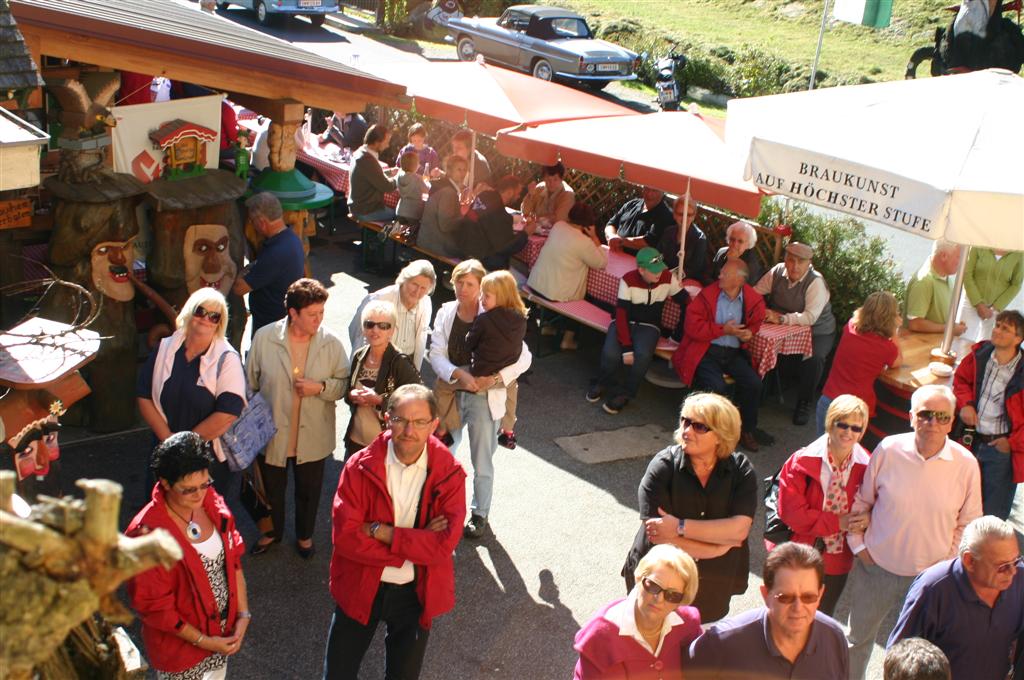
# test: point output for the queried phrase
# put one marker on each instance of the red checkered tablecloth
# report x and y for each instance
(774, 339)
(335, 173)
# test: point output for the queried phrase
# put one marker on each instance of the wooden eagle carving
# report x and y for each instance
(83, 111)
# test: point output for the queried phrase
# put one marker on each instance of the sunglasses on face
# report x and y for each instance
(383, 325)
(400, 423)
(201, 313)
(940, 417)
(653, 589)
(846, 426)
(787, 599)
(699, 428)
(1009, 567)
(189, 490)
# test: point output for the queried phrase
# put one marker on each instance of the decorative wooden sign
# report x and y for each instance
(16, 213)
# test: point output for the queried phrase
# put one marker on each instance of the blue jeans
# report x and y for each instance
(483, 442)
(645, 341)
(997, 487)
(385, 214)
(820, 412)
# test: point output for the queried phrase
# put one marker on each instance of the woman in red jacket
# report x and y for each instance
(644, 636)
(817, 486)
(195, 614)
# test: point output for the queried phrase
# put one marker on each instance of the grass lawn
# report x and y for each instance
(789, 29)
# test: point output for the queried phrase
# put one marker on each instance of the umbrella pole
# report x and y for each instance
(472, 160)
(954, 300)
(817, 52)
(682, 229)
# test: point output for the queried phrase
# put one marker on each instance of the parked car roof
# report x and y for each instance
(544, 12)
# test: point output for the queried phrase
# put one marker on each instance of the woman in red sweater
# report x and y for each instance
(817, 486)
(195, 614)
(867, 348)
(644, 636)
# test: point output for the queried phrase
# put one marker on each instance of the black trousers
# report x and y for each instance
(404, 646)
(734, 361)
(811, 368)
(309, 478)
(834, 584)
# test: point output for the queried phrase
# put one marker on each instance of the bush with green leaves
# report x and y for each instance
(854, 263)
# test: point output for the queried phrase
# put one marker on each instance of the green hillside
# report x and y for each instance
(788, 30)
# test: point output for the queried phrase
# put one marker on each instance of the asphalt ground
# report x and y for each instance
(558, 536)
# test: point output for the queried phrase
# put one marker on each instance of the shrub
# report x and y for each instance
(755, 73)
(853, 263)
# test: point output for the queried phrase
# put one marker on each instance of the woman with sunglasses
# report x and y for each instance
(193, 380)
(378, 369)
(301, 369)
(195, 614)
(643, 636)
(700, 494)
(410, 295)
(817, 485)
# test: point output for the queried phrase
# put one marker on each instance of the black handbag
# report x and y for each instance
(775, 530)
(252, 494)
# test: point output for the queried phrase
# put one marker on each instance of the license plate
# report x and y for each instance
(607, 67)
(310, 3)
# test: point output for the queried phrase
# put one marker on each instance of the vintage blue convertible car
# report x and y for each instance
(549, 42)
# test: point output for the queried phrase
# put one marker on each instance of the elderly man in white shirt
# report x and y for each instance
(797, 295)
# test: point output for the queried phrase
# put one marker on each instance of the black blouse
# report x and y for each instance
(671, 483)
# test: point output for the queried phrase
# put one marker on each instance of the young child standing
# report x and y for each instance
(495, 340)
(417, 136)
(411, 188)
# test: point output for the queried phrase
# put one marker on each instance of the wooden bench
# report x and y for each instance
(592, 316)
(378, 228)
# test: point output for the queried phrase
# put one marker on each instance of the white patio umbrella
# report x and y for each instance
(939, 157)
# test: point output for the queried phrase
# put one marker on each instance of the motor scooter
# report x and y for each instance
(665, 82)
(431, 18)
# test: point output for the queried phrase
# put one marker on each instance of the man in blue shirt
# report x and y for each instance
(789, 638)
(281, 262)
(972, 607)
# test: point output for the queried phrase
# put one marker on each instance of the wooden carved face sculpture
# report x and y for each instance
(208, 258)
(110, 261)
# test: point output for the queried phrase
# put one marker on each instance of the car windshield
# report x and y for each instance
(563, 27)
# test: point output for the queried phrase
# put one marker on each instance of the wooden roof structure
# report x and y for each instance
(181, 42)
(17, 69)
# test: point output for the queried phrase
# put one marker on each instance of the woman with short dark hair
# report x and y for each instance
(301, 369)
(195, 614)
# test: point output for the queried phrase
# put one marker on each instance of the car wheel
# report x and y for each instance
(466, 49)
(263, 15)
(542, 70)
(317, 19)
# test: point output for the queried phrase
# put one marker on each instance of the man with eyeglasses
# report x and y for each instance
(397, 517)
(788, 638)
(921, 489)
(972, 606)
(989, 388)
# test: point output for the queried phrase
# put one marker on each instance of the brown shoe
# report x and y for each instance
(749, 442)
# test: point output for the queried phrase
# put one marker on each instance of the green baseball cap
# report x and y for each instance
(651, 260)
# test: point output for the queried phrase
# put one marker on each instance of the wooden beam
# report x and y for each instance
(152, 60)
(278, 110)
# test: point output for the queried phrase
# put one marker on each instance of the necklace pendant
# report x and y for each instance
(193, 531)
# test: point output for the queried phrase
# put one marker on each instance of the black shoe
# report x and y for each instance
(475, 527)
(749, 442)
(595, 393)
(306, 553)
(615, 404)
(802, 412)
(260, 548)
(763, 438)
(507, 439)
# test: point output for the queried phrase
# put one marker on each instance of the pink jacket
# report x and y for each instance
(606, 655)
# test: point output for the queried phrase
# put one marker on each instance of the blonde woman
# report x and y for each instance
(193, 380)
(700, 494)
(643, 635)
(868, 347)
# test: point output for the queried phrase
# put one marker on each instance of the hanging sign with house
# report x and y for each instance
(184, 147)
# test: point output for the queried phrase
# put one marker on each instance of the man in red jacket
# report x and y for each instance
(720, 322)
(989, 389)
(397, 517)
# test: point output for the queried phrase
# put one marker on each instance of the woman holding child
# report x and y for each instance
(480, 403)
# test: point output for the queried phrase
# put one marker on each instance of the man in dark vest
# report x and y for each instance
(797, 295)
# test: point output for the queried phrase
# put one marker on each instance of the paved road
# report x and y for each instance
(560, 528)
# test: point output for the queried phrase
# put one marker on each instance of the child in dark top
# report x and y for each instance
(411, 188)
(417, 136)
(495, 340)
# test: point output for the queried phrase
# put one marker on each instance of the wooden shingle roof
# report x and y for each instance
(17, 70)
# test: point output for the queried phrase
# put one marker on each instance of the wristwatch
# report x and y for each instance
(681, 528)
(373, 529)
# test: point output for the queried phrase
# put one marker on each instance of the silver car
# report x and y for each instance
(549, 42)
